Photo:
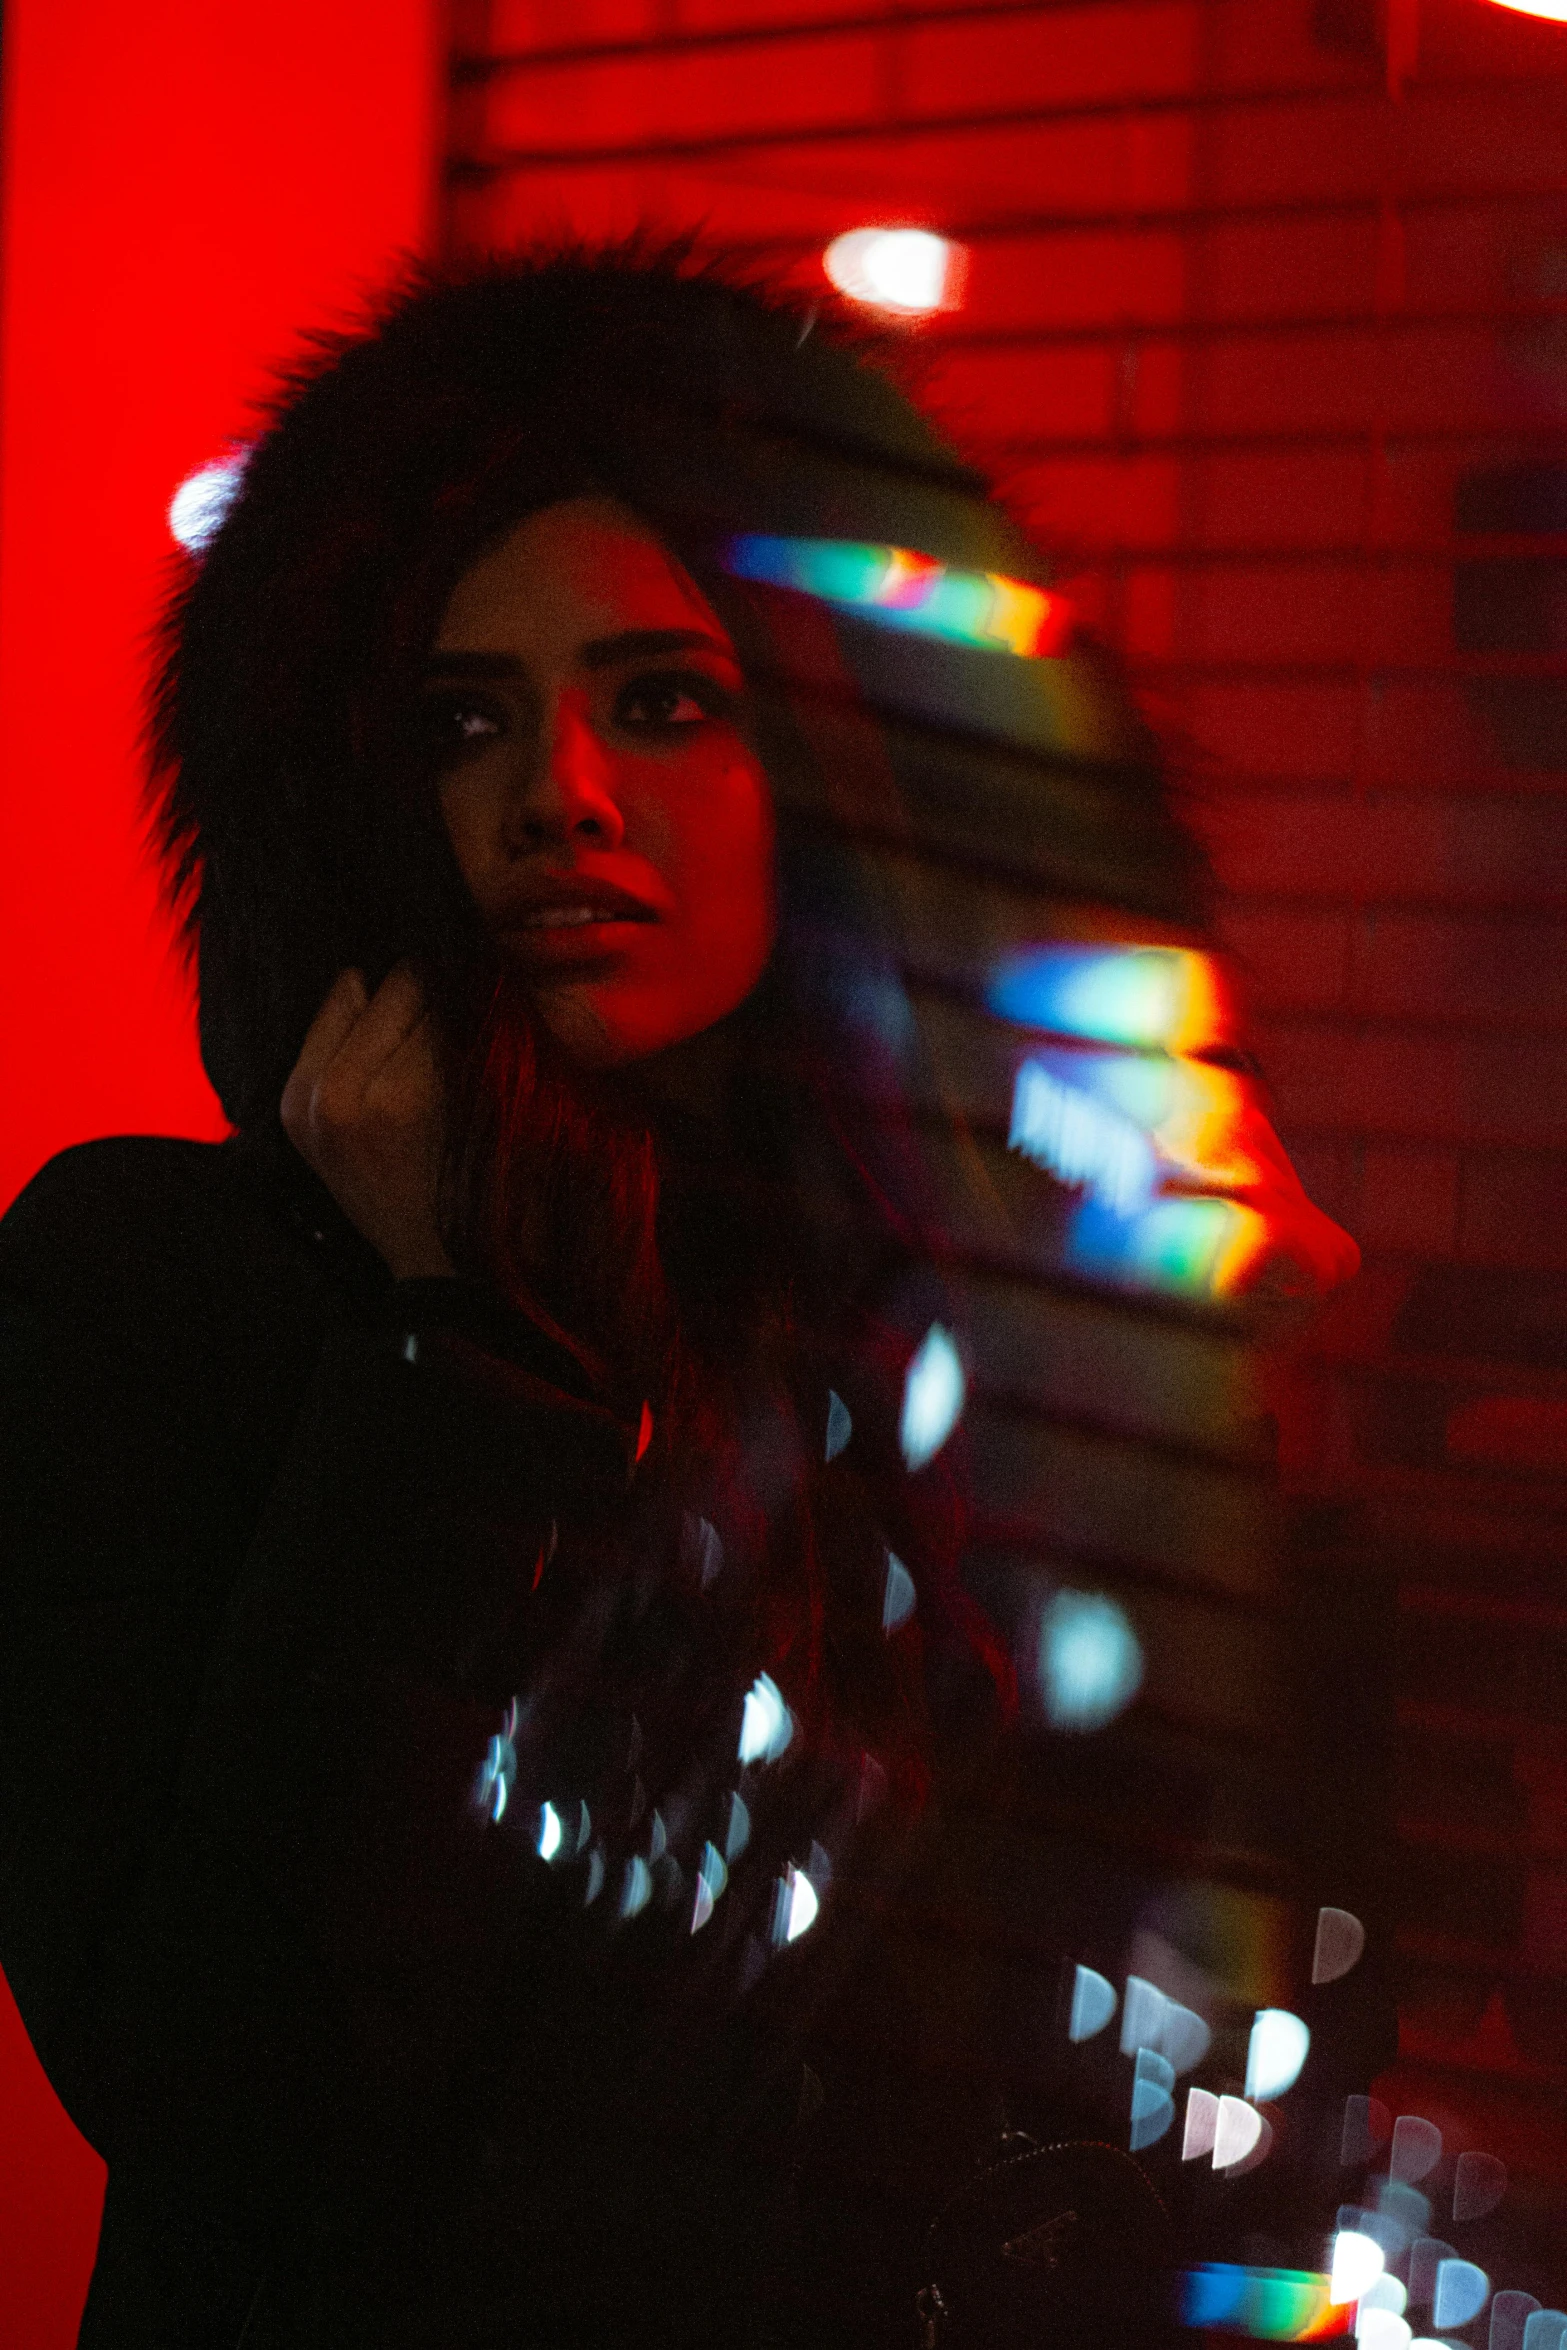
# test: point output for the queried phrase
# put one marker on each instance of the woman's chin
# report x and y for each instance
(608, 1027)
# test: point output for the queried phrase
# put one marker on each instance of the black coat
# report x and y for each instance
(282, 1538)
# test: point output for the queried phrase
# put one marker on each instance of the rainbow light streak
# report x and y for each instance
(902, 589)
(1073, 1137)
(1144, 999)
(1157, 1138)
(1198, 1247)
(1267, 2304)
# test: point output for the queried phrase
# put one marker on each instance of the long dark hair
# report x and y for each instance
(695, 1263)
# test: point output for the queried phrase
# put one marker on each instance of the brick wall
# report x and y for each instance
(1277, 354)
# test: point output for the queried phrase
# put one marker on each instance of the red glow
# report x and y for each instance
(185, 186)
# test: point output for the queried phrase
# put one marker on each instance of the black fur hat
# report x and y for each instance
(290, 802)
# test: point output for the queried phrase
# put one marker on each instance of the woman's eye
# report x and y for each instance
(455, 726)
(669, 704)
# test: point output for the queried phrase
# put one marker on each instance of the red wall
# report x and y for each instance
(186, 184)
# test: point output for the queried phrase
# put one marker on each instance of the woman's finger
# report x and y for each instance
(342, 1007)
(387, 1021)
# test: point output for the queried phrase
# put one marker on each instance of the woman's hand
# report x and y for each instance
(363, 1108)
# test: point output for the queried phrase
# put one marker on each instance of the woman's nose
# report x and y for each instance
(569, 797)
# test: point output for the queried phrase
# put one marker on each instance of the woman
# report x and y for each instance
(479, 1635)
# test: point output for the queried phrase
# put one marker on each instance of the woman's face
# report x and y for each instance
(607, 813)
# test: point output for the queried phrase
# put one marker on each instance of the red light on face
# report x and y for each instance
(909, 272)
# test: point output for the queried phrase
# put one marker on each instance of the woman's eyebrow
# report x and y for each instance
(640, 644)
(600, 652)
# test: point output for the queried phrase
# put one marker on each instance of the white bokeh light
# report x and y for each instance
(1089, 1663)
(1237, 2127)
(1275, 2053)
(1358, 2261)
(909, 271)
(934, 1389)
(766, 1724)
(198, 506)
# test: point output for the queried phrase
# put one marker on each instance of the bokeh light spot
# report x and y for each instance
(1093, 2004)
(200, 504)
(909, 271)
(1340, 1940)
(1357, 2263)
(1461, 2293)
(934, 1389)
(1275, 2053)
(766, 1724)
(1089, 1662)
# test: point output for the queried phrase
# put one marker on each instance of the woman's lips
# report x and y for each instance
(571, 936)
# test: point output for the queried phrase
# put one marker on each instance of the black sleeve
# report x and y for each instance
(243, 1902)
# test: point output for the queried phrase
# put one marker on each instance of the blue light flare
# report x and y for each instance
(1089, 1661)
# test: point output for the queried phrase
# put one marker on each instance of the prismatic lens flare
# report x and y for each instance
(897, 588)
(1144, 999)
(1080, 1141)
(1275, 2054)
(200, 504)
(1156, 1128)
(1268, 2304)
(549, 1832)
(909, 271)
(1341, 1938)
(934, 1389)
